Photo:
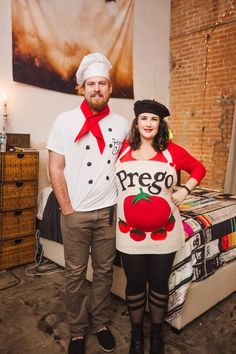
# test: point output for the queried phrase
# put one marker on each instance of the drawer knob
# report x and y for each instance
(19, 240)
(19, 183)
(18, 212)
(20, 155)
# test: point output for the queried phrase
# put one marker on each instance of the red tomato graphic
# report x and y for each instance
(146, 212)
(123, 226)
(159, 235)
(137, 235)
(170, 224)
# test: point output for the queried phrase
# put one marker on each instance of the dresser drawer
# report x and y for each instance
(17, 166)
(17, 252)
(17, 223)
(18, 195)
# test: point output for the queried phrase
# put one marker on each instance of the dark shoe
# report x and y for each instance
(106, 340)
(137, 340)
(156, 340)
(76, 346)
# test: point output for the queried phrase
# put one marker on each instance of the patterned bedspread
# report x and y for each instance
(209, 220)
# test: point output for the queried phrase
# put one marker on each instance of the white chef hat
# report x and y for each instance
(94, 64)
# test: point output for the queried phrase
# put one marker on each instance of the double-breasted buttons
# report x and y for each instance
(108, 161)
(89, 163)
(90, 181)
(87, 147)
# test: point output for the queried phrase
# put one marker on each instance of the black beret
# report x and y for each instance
(150, 106)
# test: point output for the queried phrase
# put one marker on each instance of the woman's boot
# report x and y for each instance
(137, 339)
(156, 340)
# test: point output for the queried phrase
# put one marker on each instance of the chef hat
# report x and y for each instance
(150, 106)
(94, 64)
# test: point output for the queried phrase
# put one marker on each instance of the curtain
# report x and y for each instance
(230, 180)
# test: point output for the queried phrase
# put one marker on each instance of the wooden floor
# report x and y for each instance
(33, 319)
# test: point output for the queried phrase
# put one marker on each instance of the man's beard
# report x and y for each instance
(97, 106)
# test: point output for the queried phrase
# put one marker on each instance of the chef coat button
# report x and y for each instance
(108, 161)
(90, 181)
(109, 129)
(87, 147)
(89, 163)
(107, 178)
(110, 145)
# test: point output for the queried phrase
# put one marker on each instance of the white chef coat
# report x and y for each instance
(89, 174)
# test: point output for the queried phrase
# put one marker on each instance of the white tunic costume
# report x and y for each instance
(148, 222)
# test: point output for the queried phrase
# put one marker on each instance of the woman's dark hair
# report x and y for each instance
(159, 142)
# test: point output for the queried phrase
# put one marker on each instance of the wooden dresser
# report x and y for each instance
(18, 203)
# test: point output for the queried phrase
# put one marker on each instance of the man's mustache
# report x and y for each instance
(97, 93)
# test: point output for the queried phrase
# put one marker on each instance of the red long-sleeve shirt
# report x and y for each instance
(182, 160)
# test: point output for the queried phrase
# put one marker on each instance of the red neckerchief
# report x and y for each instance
(91, 124)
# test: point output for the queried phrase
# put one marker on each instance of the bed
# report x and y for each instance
(204, 269)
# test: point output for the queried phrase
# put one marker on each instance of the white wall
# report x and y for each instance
(32, 110)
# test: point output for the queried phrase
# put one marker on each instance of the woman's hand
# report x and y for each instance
(179, 195)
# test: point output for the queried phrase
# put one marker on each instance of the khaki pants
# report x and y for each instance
(85, 232)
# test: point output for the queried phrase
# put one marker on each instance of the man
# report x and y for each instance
(83, 147)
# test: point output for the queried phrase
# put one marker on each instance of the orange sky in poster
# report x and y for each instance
(51, 37)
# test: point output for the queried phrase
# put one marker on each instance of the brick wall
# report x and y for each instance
(203, 81)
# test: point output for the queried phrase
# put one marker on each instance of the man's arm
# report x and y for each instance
(58, 182)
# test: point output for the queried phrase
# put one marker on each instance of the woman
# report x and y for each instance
(149, 227)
